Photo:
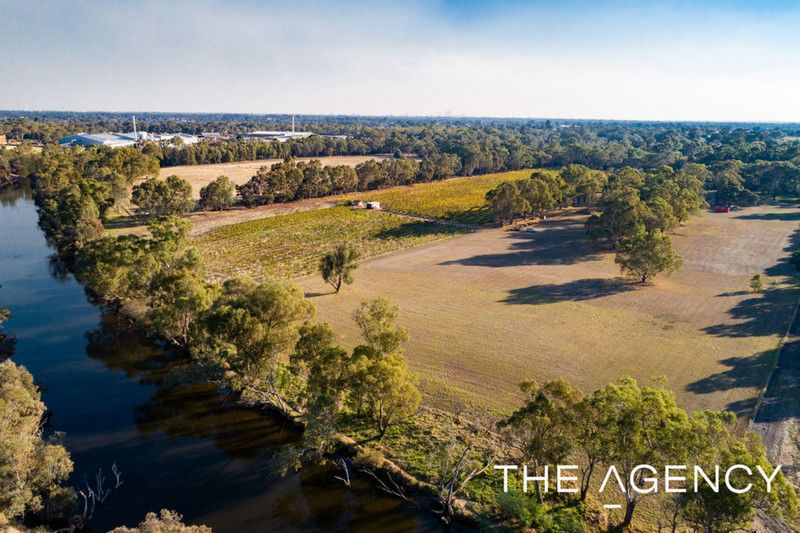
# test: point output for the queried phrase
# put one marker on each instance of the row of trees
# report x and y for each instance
(75, 188)
(631, 210)
(257, 338)
(637, 209)
(172, 196)
(544, 191)
(291, 180)
(625, 425)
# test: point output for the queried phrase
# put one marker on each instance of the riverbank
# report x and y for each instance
(193, 451)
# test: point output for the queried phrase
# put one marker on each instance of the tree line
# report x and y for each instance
(290, 180)
(481, 146)
(631, 210)
(257, 338)
(76, 188)
(624, 424)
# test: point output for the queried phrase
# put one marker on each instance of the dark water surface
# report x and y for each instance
(179, 448)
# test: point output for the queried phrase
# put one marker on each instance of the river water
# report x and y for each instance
(182, 448)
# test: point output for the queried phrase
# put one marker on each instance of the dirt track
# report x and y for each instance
(778, 417)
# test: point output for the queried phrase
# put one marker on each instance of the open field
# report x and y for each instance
(290, 245)
(460, 200)
(239, 172)
(491, 308)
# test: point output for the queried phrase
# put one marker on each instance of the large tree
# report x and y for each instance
(715, 443)
(377, 320)
(620, 212)
(156, 197)
(217, 195)
(646, 254)
(249, 329)
(646, 427)
(383, 382)
(506, 203)
(337, 265)
(543, 430)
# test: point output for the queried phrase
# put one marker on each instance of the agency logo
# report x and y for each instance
(641, 479)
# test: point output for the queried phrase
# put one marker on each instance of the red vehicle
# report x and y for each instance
(721, 209)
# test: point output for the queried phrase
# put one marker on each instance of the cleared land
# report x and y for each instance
(491, 308)
(461, 200)
(290, 245)
(239, 172)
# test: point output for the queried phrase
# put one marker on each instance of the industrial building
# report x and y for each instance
(279, 136)
(118, 140)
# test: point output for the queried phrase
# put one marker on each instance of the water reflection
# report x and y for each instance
(227, 447)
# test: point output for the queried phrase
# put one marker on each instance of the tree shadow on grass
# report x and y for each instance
(578, 290)
(557, 243)
(743, 372)
(420, 228)
(782, 399)
(789, 216)
(317, 294)
(756, 316)
(760, 314)
(125, 222)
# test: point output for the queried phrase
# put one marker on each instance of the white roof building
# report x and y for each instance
(280, 136)
(118, 140)
(114, 140)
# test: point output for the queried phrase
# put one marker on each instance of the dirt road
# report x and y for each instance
(778, 417)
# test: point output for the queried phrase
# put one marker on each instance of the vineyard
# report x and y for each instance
(460, 200)
(291, 245)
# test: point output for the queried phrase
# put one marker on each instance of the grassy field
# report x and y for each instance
(241, 171)
(290, 245)
(491, 308)
(456, 199)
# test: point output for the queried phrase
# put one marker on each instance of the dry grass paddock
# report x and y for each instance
(241, 171)
(491, 308)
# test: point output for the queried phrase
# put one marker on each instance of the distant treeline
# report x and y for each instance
(481, 145)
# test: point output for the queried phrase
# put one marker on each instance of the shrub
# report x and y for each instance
(567, 520)
(217, 195)
(516, 505)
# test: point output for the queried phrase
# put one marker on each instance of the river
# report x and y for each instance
(183, 448)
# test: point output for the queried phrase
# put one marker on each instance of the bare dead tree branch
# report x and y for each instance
(394, 489)
(346, 470)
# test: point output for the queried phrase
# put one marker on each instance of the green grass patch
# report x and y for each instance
(461, 200)
(291, 245)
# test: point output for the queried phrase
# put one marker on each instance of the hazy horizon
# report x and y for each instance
(716, 61)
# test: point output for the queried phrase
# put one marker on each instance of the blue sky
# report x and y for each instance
(700, 60)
